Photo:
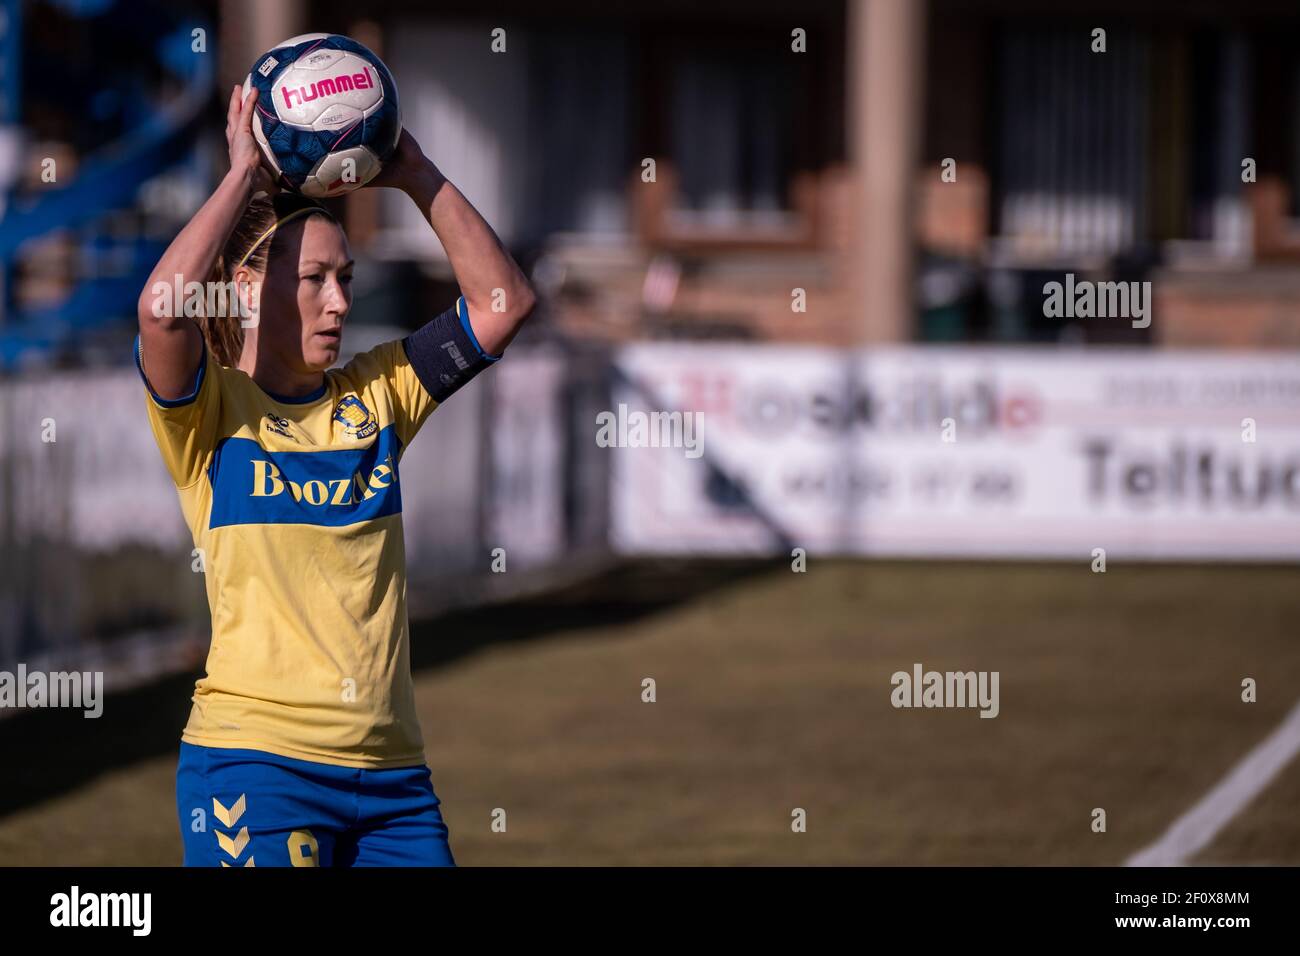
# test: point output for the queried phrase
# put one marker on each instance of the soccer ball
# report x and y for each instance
(327, 117)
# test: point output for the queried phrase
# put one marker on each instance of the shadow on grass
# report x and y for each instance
(620, 595)
(47, 753)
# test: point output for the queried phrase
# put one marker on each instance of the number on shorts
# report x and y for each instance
(302, 849)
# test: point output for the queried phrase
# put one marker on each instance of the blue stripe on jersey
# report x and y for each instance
(172, 402)
(251, 485)
(462, 309)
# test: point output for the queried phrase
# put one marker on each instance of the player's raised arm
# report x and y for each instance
(497, 294)
(172, 343)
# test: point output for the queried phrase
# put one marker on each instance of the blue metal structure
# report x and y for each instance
(111, 268)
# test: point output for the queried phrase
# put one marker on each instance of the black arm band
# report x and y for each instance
(444, 352)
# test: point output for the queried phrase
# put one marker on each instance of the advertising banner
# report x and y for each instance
(961, 452)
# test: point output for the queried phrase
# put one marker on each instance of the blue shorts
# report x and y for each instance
(252, 808)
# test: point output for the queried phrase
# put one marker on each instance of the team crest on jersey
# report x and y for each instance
(357, 420)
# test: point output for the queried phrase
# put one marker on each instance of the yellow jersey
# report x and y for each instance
(295, 506)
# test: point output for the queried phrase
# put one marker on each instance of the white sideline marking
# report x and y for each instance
(1194, 830)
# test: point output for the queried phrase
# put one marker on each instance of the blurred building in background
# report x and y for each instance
(864, 174)
(918, 169)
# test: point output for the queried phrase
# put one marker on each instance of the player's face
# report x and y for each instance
(306, 295)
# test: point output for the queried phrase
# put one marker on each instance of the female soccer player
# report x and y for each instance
(303, 747)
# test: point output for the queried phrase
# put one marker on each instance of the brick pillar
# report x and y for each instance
(885, 121)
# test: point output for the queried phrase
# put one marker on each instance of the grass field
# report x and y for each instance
(1119, 690)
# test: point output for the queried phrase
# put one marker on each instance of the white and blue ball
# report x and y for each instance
(327, 116)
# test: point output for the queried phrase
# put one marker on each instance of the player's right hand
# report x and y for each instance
(245, 154)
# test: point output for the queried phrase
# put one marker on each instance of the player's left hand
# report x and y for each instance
(406, 166)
